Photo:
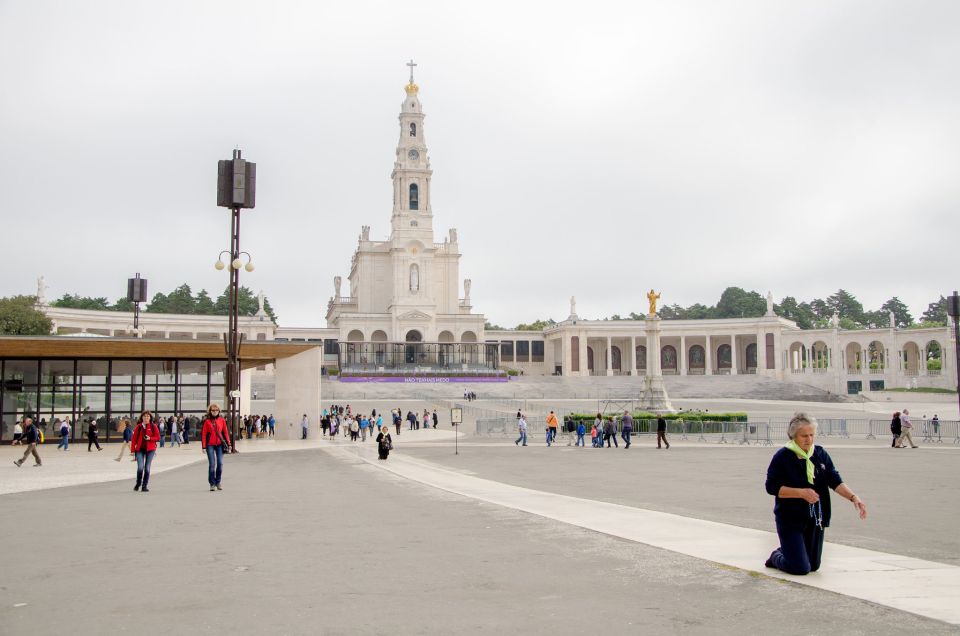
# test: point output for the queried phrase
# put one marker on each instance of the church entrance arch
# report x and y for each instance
(355, 336)
(379, 338)
(468, 336)
(445, 348)
(413, 352)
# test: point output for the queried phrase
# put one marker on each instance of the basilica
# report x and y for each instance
(406, 312)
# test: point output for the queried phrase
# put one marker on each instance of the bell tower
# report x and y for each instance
(412, 213)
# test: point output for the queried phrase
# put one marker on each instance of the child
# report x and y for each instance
(595, 436)
(581, 431)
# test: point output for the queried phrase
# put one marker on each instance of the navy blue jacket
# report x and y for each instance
(786, 469)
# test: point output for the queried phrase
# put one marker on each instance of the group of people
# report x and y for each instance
(603, 430)
(469, 396)
(358, 426)
(258, 426)
(901, 426)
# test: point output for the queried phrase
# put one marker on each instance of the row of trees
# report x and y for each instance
(180, 301)
(736, 302)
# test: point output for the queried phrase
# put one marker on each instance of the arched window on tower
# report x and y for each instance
(414, 197)
(413, 129)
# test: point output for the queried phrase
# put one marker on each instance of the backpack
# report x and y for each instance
(64, 430)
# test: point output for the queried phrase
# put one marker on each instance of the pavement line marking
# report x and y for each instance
(926, 588)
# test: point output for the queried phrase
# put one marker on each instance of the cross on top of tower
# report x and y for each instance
(411, 64)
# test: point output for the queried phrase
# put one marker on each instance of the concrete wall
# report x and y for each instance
(298, 392)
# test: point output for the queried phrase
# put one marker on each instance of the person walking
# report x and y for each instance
(271, 422)
(364, 425)
(143, 443)
(174, 433)
(552, 425)
(610, 432)
(435, 418)
(596, 440)
(64, 431)
(215, 440)
(627, 428)
(935, 422)
(127, 438)
(581, 432)
(522, 428)
(906, 430)
(384, 443)
(186, 429)
(93, 436)
(426, 419)
(354, 429)
(896, 427)
(31, 436)
(17, 433)
(800, 477)
(397, 422)
(662, 430)
(305, 425)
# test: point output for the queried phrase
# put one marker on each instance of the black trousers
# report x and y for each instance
(800, 548)
(91, 440)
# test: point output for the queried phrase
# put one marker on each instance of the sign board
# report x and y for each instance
(456, 416)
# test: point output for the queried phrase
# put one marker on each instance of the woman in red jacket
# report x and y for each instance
(144, 445)
(214, 439)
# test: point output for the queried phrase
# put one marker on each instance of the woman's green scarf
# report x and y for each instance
(792, 445)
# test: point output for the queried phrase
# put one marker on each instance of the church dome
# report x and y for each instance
(411, 88)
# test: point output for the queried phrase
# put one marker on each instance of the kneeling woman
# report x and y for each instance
(800, 476)
(384, 443)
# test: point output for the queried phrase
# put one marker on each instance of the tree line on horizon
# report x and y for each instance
(735, 302)
(180, 301)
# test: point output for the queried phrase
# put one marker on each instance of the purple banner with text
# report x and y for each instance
(415, 380)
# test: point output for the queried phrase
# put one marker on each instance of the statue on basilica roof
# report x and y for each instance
(652, 298)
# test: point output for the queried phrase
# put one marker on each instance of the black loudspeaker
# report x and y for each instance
(953, 305)
(236, 183)
(137, 290)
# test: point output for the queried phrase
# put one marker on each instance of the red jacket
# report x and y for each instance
(145, 439)
(214, 432)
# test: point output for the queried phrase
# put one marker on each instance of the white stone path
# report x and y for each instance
(913, 585)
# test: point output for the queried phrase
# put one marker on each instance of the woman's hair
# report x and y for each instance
(896, 413)
(213, 405)
(145, 412)
(798, 421)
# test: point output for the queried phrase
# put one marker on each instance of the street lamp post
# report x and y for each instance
(236, 189)
(953, 308)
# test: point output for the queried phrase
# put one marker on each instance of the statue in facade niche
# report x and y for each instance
(414, 278)
(336, 286)
(653, 297)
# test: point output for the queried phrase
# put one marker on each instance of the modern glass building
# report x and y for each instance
(105, 380)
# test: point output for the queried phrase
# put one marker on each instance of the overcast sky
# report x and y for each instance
(595, 150)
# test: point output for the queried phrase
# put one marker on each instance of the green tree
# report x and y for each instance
(247, 304)
(636, 316)
(537, 325)
(180, 301)
(76, 301)
(122, 304)
(936, 312)
(158, 304)
(492, 327)
(800, 313)
(735, 302)
(672, 312)
(878, 319)
(901, 314)
(204, 304)
(19, 317)
(845, 305)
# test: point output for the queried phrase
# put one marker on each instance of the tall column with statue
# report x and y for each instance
(655, 396)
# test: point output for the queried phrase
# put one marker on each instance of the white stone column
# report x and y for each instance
(567, 354)
(761, 352)
(633, 356)
(245, 391)
(708, 351)
(683, 355)
(733, 354)
(610, 356)
(584, 367)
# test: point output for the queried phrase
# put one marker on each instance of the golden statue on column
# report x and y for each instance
(653, 297)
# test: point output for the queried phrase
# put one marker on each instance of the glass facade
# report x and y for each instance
(105, 391)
